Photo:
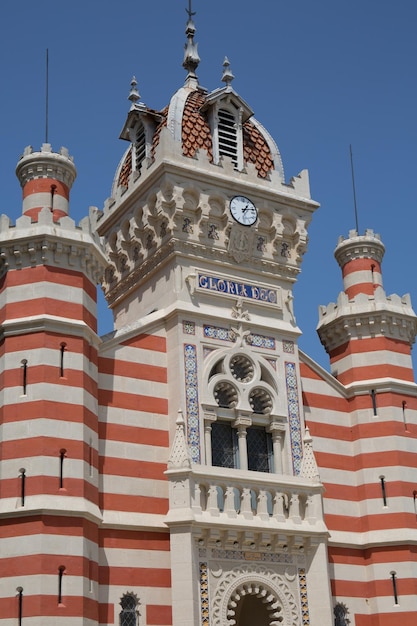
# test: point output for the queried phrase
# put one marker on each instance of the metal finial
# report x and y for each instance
(191, 58)
(189, 10)
(227, 72)
(134, 95)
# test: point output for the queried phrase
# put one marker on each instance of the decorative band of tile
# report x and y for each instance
(302, 581)
(204, 595)
(191, 397)
(217, 332)
(294, 416)
(261, 341)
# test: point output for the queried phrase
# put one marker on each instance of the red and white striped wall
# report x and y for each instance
(134, 449)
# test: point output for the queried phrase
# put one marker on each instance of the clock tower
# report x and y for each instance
(205, 240)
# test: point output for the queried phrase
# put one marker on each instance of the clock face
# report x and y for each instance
(243, 210)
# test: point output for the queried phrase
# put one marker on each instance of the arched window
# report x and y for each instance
(129, 615)
(341, 615)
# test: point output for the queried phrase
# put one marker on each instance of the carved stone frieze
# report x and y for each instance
(188, 220)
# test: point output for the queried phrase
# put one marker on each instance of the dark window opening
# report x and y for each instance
(22, 486)
(223, 445)
(20, 604)
(341, 615)
(61, 571)
(259, 444)
(24, 375)
(62, 455)
(129, 612)
(394, 586)
(383, 489)
(61, 361)
(373, 396)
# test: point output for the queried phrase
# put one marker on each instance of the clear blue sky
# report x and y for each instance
(319, 75)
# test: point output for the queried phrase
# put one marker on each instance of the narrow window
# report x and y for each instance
(383, 490)
(373, 396)
(91, 457)
(227, 130)
(22, 486)
(404, 405)
(129, 613)
(372, 272)
(394, 586)
(415, 502)
(61, 359)
(62, 455)
(140, 146)
(20, 604)
(61, 571)
(24, 375)
(53, 192)
(223, 445)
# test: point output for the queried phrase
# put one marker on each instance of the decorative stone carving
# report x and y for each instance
(273, 588)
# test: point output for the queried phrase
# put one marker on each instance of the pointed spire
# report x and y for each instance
(179, 456)
(309, 467)
(227, 72)
(191, 58)
(134, 95)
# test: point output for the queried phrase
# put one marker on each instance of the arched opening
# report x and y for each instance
(254, 605)
(251, 611)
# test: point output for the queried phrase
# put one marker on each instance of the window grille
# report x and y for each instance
(259, 444)
(223, 445)
(341, 615)
(129, 612)
(227, 135)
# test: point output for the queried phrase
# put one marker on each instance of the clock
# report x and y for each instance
(243, 210)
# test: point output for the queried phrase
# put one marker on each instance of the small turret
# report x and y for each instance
(46, 179)
(365, 325)
(360, 258)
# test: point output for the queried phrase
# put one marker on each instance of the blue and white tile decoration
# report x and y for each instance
(294, 416)
(261, 341)
(191, 397)
(217, 332)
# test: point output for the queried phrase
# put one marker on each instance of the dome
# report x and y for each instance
(219, 123)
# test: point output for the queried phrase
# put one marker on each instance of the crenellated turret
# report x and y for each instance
(46, 179)
(365, 325)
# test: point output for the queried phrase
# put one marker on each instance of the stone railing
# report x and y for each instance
(240, 497)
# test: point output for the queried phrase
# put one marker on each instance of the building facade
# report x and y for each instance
(193, 467)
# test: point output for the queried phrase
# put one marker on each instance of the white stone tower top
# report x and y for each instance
(46, 179)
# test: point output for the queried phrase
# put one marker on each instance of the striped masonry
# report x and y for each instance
(355, 448)
(49, 483)
(361, 275)
(134, 448)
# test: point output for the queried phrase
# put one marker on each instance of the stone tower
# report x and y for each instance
(49, 421)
